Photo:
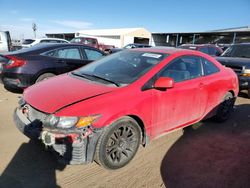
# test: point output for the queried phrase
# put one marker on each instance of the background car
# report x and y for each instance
(93, 42)
(130, 46)
(209, 49)
(25, 67)
(31, 42)
(237, 57)
(123, 100)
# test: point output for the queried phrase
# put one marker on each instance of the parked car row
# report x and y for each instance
(209, 49)
(130, 46)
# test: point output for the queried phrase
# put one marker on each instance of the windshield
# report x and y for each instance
(123, 67)
(237, 51)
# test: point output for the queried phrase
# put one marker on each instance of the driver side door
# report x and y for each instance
(185, 102)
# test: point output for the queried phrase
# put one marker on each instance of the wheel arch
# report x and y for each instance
(232, 92)
(145, 138)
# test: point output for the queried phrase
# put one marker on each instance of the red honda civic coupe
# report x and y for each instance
(105, 110)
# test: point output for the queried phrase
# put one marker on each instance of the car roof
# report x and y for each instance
(197, 45)
(50, 39)
(51, 46)
(241, 44)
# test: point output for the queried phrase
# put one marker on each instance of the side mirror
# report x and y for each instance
(164, 83)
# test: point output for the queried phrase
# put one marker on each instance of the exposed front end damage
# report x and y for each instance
(74, 146)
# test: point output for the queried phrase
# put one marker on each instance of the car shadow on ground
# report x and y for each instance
(214, 155)
(31, 166)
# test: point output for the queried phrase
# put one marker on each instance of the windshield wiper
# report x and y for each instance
(105, 79)
(82, 75)
(87, 76)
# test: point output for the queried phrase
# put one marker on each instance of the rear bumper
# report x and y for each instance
(16, 81)
(71, 147)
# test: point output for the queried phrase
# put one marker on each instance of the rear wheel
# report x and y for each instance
(44, 76)
(225, 108)
(118, 144)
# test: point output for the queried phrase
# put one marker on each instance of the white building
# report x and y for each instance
(118, 37)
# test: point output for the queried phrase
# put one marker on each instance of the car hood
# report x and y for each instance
(234, 61)
(61, 91)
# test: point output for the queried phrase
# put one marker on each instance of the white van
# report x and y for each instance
(5, 41)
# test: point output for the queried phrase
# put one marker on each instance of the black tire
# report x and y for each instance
(118, 144)
(225, 108)
(44, 76)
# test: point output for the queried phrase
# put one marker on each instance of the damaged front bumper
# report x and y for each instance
(71, 146)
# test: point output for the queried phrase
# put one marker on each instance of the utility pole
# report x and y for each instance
(34, 27)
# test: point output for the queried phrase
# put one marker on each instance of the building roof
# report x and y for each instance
(233, 29)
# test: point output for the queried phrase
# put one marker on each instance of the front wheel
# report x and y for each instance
(225, 108)
(118, 144)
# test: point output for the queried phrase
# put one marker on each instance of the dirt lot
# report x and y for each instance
(214, 155)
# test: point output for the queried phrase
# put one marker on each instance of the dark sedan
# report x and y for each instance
(237, 57)
(25, 67)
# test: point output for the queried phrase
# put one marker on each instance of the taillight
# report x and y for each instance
(14, 62)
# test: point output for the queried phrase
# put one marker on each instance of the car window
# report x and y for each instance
(92, 54)
(204, 50)
(65, 53)
(209, 67)
(123, 67)
(183, 68)
(50, 41)
(213, 51)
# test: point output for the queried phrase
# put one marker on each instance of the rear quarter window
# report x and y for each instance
(209, 67)
(92, 54)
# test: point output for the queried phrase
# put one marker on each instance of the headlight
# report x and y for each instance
(65, 122)
(246, 72)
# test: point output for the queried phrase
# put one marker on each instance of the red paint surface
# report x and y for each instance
(161, 111)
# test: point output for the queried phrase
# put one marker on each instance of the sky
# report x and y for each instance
(52, 16)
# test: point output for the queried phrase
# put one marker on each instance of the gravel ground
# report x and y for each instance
(214, 155)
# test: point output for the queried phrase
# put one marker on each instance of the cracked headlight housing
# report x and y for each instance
(67, 122)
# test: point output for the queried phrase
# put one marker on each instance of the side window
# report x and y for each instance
(212, 51)
(92, 54)
(69, 53)
(209, 67)
(204, 50)
(66, 53)
(43, 41)
(183, 68)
